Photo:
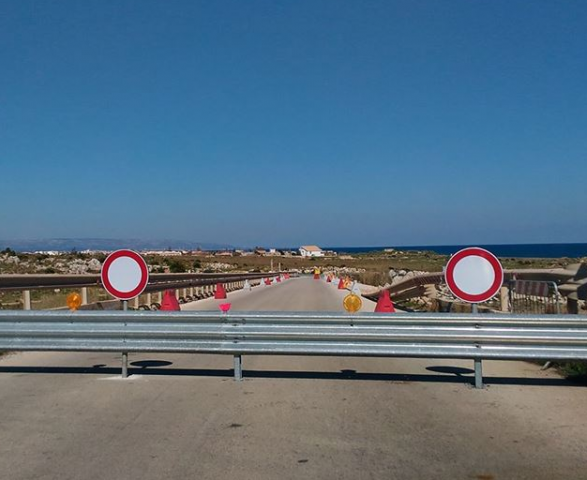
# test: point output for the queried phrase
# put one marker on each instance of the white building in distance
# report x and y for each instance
(311, 251)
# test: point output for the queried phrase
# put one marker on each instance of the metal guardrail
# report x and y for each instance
(465, 336)
(156, 280)
(157, 283)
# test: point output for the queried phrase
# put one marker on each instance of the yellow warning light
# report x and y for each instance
(352, 303)
(74, 301)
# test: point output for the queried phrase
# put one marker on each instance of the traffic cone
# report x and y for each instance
(341, 285)
(384, 303)
(278, 279)
(220, 292)
(247, 285)
(169, 302)
(267, 281)
(328, 279)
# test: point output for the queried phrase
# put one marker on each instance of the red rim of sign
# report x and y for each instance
(144, 274)
(477, 252)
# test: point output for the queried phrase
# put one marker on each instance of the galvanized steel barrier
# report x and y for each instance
(465, 336)
(158, 282)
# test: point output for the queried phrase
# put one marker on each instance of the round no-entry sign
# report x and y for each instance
(124, 274)
(474, 275)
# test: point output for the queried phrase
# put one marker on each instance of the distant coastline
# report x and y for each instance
(106, 244)
(537, 250)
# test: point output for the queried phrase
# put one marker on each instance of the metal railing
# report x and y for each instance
(465, 336)
(531, 296)
(158, 282)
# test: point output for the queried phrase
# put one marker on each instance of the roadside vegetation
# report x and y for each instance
(574, 371)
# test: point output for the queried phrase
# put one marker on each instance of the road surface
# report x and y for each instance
(69, 416)
(296, 294)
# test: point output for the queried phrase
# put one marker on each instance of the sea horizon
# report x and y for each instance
(515, 250)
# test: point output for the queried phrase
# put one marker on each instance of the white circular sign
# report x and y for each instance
(124, 274)
(474, 275)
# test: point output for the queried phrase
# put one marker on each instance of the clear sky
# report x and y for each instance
(293, 122)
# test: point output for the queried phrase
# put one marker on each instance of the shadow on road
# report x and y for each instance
(454, 375)
(151, 363)
(458, 371)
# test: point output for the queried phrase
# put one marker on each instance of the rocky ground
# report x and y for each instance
(28, 263)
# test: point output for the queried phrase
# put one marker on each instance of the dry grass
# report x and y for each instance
(48, 299)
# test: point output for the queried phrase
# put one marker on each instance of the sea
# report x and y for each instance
(532, 250)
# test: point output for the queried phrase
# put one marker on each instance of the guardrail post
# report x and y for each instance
(478, 373)
(26, 299)
(149, 299)
(159, 297)
(137, 302)
(238, 368)
(84, 295)
(504, 298)
(124, 365)
(572, 305)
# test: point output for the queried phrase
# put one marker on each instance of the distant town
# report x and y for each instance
(306, 251)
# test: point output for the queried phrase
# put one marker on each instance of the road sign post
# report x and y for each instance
(474, 275)
(124, 373)
(124, 276)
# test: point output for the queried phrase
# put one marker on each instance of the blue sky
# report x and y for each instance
(272, 122)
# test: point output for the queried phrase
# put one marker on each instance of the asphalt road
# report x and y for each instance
(68, 416)
(301, 294)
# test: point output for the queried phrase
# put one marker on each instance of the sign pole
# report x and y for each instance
(478, 361)
(125, 354)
